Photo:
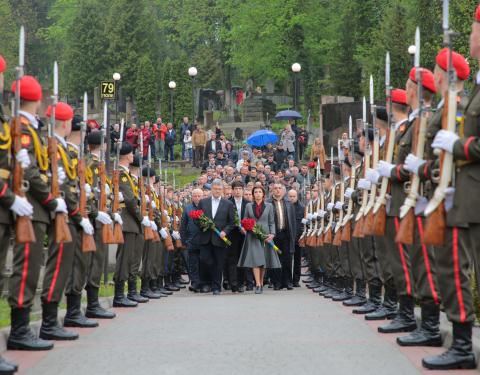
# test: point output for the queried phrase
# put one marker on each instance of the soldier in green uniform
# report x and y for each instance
(60, 255)
(96, 259)
(28, 257)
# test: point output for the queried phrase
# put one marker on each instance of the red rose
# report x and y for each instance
(311, 164)
(195, 214)
(248, 224)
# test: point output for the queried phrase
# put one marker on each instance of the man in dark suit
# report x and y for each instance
(236, 276)
(212, 252)
(212, 145)
(297, 258)
(285, 235)
(169, 141)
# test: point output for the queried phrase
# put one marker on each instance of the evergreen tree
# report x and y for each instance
(145, 89)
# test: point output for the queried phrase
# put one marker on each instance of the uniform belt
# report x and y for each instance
(462, 163)
(122, 205)
(5, 173)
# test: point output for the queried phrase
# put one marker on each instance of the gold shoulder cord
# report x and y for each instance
(89, 175)
(134, 188)
(5, 137)
(70, 168)
(40, 151)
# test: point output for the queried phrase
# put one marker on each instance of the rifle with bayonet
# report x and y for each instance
(147, 231)
(406, 231)
(164, 220)
(328, 229)
(107, 231)
(434, 233)
(347, 221)
(380, 210)
(337, 239)
(62, 231)
(320, 206)
(24, 232)
(117, 228)
(88, 242)
(151, 215)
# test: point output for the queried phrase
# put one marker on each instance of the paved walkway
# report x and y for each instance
(288, 332)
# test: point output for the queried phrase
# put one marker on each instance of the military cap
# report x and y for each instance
(399, 96)
(95, 137)
(145, 172)
(126, 148)
(3, 64)
(459, 63)
(63, 112)
(136, 161)
(428, 82)
(382, 113)
(30, 89)
(77, 122)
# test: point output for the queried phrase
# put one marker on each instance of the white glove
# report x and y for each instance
(384, 168)
(349, 192)
(88, 190)
(321, 214)
(61, 206)
(364, 184)
(120, 197)
(169, 219)
(339, 205)
(147, 198)
(164, 233)
(154, 226)
(86, 226)
(107, 189)
(309, 216)
(103, 218)
(314, 216)
(165, 212)
(445, 140)
(412, 163)
(330, 206)
(118, 218)
(175, 235)
(23, 158)
(21, 206)
(153, 204)
(304, 221)
(146, 222)
(372, 175)
(62, 176)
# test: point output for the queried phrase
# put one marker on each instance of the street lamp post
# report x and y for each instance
(296, 68)
(411, 50)
(172, 85)
(192, 72)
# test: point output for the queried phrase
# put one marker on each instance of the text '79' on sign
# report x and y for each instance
(107, 90)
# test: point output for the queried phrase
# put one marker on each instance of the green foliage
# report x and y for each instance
(9, 33)
(145, 89)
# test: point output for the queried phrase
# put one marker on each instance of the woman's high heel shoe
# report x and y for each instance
(258, 289)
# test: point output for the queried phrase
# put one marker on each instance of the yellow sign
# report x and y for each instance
(107, 90)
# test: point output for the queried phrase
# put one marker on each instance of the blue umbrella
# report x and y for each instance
(288, 115)
(262, 137)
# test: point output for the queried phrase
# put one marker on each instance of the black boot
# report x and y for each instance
(347, 291)
(317, 281)
(428, 334)
(374, 298)
(119, 300)
(132, 292)
(388, 309)
(329, 286)
(359, 298)
(50, 329)
(337, 288)
(161, 288)
(21, 336)
(459, 355)
(405, 319)
(94, 310)
(74, 316)
(7, 367)
(146, 292)
(156, 289)
(170, 285)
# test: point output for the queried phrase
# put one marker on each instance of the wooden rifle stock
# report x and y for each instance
(107, 231)
(347, 231)
(147, 231)
(380, 221)
(358, 229)
(176, 215)
(328, 236)
(434, 233)
(88, 242)
(117, 228)
(62, 231)
(156, 236)
(406, 230)
(368, 223)
(24, 232)
(167, 241)
(337, 239)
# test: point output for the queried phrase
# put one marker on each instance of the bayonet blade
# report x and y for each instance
(55, 80)
(445, 23)
(371, 91)
(387, 69)
(350, 128)
(364, 111)
(21, 49)
(85, 107)
(417, 47)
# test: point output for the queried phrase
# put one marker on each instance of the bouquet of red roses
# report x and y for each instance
(205, 223)
(250, 225)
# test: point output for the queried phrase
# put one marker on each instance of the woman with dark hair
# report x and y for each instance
(230, 153)
(257, 254)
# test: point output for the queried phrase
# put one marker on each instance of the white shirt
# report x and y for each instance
(214, 145)
(31, 118)
(238, 204)
(215, 204)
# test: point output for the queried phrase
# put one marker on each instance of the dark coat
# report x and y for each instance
(224, 221)
(170, 137)
(291, 221)
(209, 147)
(299, 213)
(189, 231)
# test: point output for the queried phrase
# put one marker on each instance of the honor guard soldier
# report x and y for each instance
(28, 257)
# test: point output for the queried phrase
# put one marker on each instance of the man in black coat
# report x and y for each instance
(236, 275)
(213, 248)
(285, 235)
(212, 145)
(297, 257)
